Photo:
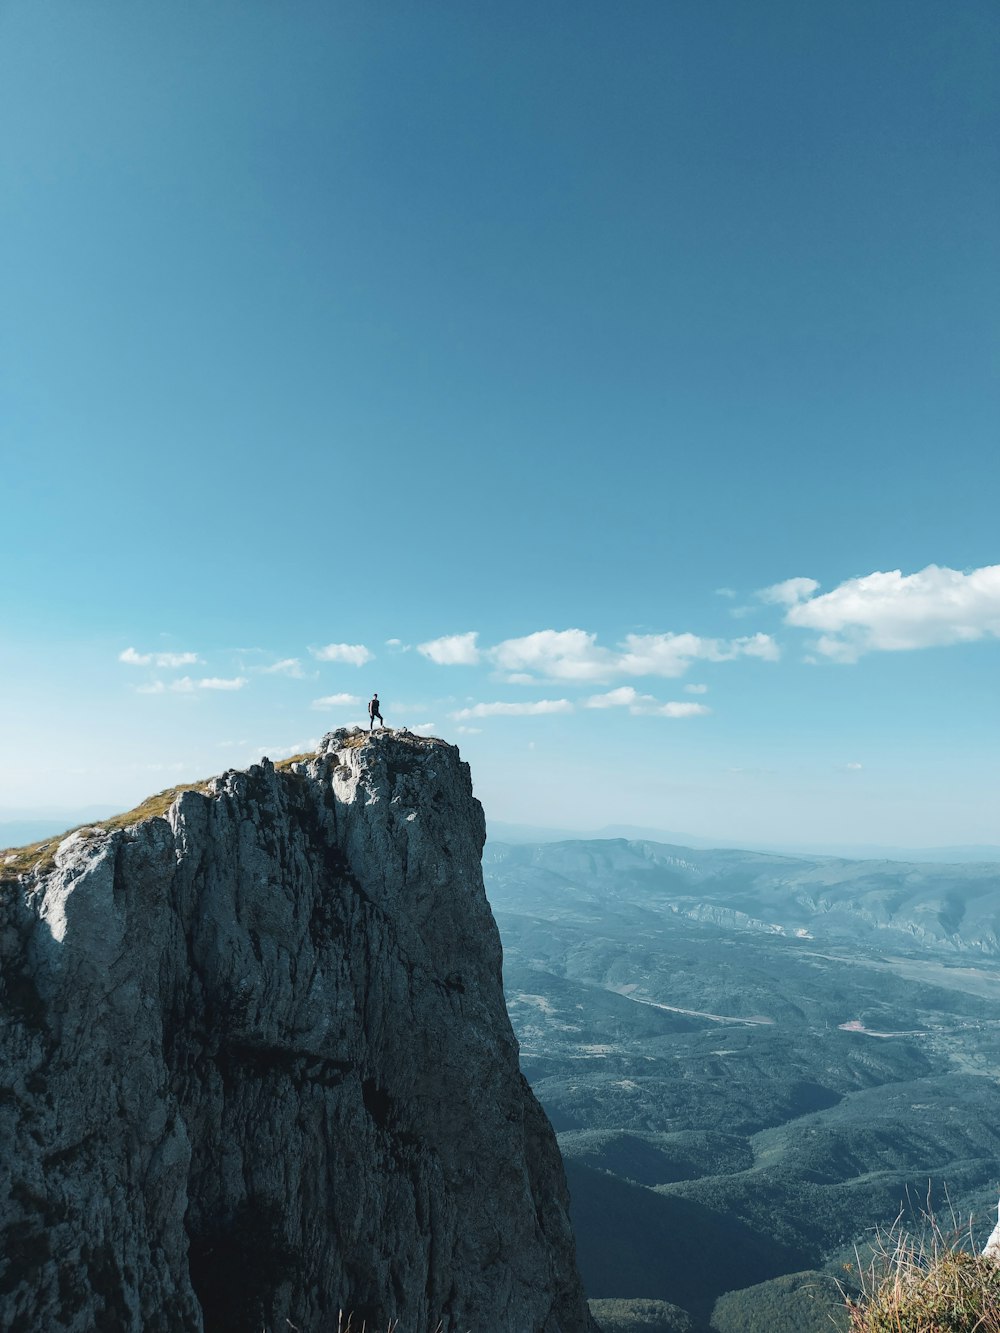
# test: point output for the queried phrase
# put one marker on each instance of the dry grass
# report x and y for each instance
(39, 856)
(284, 764)
(930, 1283)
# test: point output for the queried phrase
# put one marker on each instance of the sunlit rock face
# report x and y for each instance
(257, 1067)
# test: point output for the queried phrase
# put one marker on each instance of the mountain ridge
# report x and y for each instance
(498, 831)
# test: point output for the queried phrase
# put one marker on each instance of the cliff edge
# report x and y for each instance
(257, 1066)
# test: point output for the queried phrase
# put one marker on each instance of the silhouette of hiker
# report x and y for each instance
(373, 713)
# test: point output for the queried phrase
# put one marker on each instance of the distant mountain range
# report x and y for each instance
(752, 1060)
(887, 903)
(19, 827)
(522, 833)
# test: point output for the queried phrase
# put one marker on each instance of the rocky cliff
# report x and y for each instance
(257, 1066)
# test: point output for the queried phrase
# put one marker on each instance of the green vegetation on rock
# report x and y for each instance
(809, 1302)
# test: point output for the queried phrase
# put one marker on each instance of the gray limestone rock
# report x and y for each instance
(257, 1067)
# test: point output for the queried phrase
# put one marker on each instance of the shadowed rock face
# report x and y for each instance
(256, 1066)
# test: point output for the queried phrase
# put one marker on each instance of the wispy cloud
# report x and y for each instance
(788, 593)
(679, 708)
(695, 689)
(133, 658)
(186, 685)
(514, 709)
(356, 654)
(890, 612)
(288, 666)
(624, 697)
(644, 705)
(337, 701)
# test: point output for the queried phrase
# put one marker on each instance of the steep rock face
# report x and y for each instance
(257, 1066)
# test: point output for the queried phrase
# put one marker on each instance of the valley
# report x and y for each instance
(752, 1062)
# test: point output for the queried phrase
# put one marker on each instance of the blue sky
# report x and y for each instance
(387, 325)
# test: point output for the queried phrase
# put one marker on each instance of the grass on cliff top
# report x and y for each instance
(40, 855)
(926, 1284)
(284, 764)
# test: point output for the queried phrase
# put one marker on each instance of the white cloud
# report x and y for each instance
(469, 731)
(515, 710)
(337, 701)
(855, 768)
(679, 709)
(356, 654)
(185, 685)
(644, 705)
(624, 697)
(452, 649)
(788, 593)
(154, 687)
(890, 612)
(221, 683)
(288, 666)
(725, 592)
(673, 654)
(132, 658)
(425, 729)
(695, 689)
(568, 654)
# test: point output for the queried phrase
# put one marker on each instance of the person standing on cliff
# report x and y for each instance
(374, 713)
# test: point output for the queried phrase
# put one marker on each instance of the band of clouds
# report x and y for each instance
(133, 658)
(185, 685)
(524, 709)
(575, 655)
(644, 704)
(623, 697)
(288, 666)
(337, 701)
(889, 611)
